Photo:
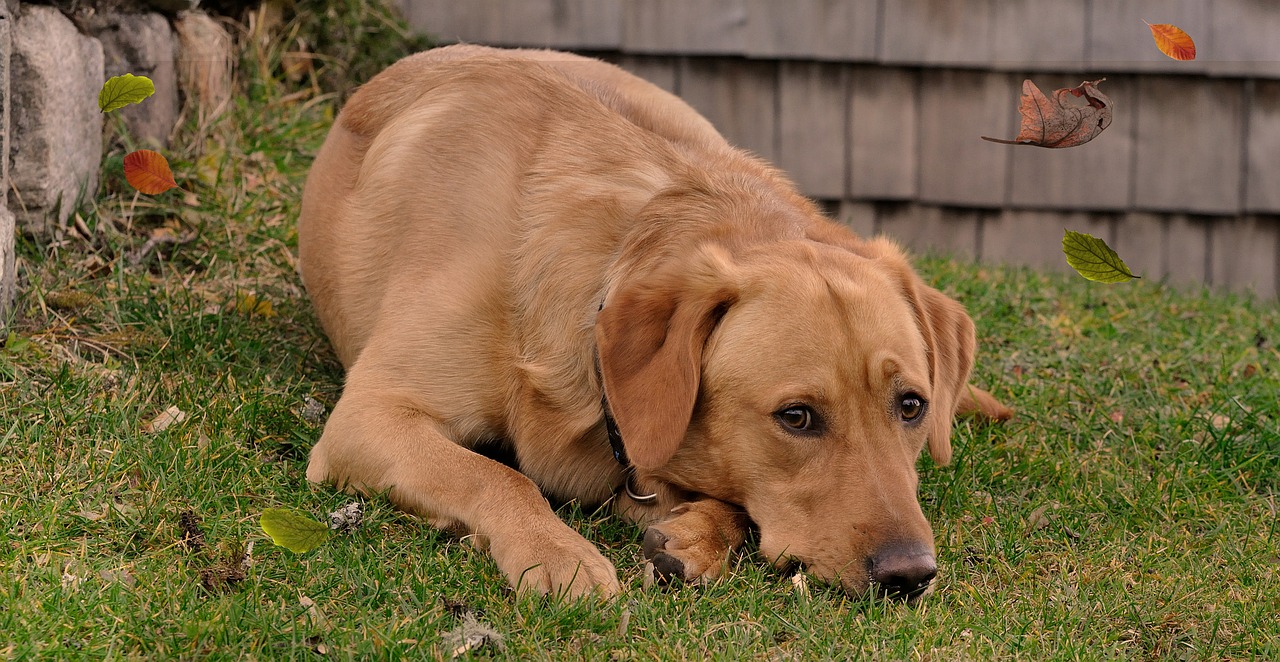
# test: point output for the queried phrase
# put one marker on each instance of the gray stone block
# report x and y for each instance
(1094, 176)
(1189, 144)
(56, 128)
(142, 45)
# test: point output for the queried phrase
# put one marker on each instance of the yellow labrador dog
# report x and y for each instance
(536, 256)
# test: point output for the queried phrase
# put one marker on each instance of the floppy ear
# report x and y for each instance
(950, 337)
(650, 336)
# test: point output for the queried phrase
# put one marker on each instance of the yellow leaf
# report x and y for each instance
(120, 91)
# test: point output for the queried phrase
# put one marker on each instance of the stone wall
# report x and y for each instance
(51, 132)
(876, 108)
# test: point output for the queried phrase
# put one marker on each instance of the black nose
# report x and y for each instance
(902, 570)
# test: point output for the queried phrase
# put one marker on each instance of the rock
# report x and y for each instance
(173, 6)
(142, 45)
(204, 63)
(55, 127)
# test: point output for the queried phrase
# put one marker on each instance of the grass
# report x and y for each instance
(1128, 512)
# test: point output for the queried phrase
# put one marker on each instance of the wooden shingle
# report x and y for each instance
(1246, 252)
(1038, 34)
(1186, 249)
(883, 132)
(1140, 242)
(657, 69)
(1262, 185)
(859, 217)
(687, 27)
(739, 97)
(938, 31)
(1244, 38)
(1188, 145)
(956, 109)
(843, 30)
(811, 127)
(930, 229)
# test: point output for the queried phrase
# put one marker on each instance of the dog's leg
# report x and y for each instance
(694, 541)
(371, 444)
(977, 402)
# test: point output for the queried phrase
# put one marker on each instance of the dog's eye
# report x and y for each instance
(910, 407)
(799, 418)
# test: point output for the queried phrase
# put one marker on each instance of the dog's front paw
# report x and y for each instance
(694, 541)
(554, 560)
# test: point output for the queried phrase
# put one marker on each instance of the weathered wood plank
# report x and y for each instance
(1262, 186)
(1120, 41)
(686, 27)
(657, 69)
(1246, 254)
(859, 217)
(956, 108)
(1037, 34)
(1096, 176)
(1244, 38)
(1186, 249)
(811, 127)
(843, 30)
(883, 132)
(1034, 238)
(1188, 145)
(739, 97)
(580, 24)
(1140, 241)
(938, 31)
(930, 229)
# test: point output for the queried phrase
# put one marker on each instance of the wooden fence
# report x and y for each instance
(875, 107)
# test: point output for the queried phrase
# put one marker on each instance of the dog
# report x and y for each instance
(537, 257)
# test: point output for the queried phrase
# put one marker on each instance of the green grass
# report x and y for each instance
(1128, 512)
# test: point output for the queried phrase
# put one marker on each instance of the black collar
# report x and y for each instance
(615, 435)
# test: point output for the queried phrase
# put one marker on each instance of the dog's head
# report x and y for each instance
(800, 380)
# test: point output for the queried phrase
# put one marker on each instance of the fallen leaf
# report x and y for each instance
(250, 304)
(1172, 41)
(1092, 258)
(1060, 123)
(293, 530)
(148, 171)
(165, 419)
(1038, 519)
(120, 91)
(317, 619)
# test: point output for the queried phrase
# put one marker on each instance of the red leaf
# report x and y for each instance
(148, 172)
(1060, 123)
(1172, 41)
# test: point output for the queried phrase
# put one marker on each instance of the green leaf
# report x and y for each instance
(293, 530)
(120, 91)
(1094, 259)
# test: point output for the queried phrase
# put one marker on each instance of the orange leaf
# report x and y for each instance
(148, 172)
(1060, 123)
(1172, 41)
